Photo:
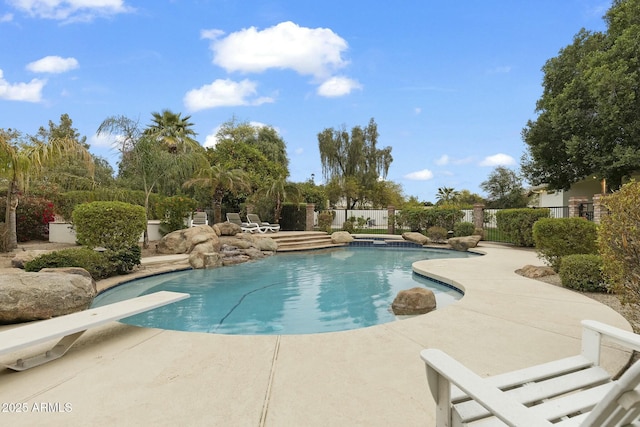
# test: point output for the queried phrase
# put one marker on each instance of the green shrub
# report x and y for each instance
(94, 262)
(325, 219)
(619, 242)
(437, 234)
(113, 225)
(419, 218)
(65, 203)
(464, 229)
(556, 237)
(174, 211)
(517, 224)
(582, 272)
(99, 264)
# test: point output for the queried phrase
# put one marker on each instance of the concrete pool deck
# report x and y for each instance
(126, 375)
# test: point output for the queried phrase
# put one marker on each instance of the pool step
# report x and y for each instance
(291, 241)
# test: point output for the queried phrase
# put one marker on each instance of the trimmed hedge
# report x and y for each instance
(517, 224)
(556, 237)
(113, 225)
(420, 218)
(582, 272)
(464, 228)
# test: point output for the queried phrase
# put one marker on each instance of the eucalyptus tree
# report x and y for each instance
(23, 160)
(218, 182)
(150, 161)
(352, 162)
(504, 188)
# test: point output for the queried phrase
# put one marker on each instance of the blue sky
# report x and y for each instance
(450, 84)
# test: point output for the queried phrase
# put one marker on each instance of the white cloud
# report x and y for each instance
(53, 64)
(308, 51)
(417, 111)
(443, 160)
(423, 175)
(338, 86)
(224, 93)
(29, 92)
(7, 17)
(105, 140)
(498, 160)
(71, 10)
(211, 140)
(500, 70)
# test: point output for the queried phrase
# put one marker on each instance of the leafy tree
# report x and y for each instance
(587, 122)
(467, 198)
(219, 181)
(352, 163)
(280, 191)
(504, 188)
(22, 161)
(71, 173)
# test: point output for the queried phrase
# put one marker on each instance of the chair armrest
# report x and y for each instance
(442, 367)
(619, 336)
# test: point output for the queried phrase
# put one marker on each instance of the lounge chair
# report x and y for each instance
(574, 391)
(262, 225)
(198, 218)
(234, 218)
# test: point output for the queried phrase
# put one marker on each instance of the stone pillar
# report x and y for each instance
(478, 217)
(311, 207)
(391, 220)
(599, 209)
(574, 206)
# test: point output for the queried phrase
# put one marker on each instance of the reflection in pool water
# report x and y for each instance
(298, 293)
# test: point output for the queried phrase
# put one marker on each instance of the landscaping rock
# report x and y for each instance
(184, 241)
(24, 257)
(227, 229)
(414, 301)
(341, 237)
(205, 260)
(535, 272)
(34, 296)
(464, 243)
(416, 237)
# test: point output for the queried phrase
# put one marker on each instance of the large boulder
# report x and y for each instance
(341, 237)
(227, 229)
(34, 296)
(414, 301)
(184, 241)
(464, 243)
(413, 236)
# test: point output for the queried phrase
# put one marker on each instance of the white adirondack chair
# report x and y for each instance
(574, 391)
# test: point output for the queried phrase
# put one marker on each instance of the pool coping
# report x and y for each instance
(371, 376)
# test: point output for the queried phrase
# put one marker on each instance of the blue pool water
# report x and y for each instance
(298, 293)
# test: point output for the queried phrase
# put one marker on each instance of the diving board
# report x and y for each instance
(71, 326)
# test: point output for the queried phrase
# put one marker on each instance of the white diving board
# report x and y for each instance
(71, 326)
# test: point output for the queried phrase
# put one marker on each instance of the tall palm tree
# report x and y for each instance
(280, 191)
(219, 181)
(446, 195)
(173, 131)
(22, 161)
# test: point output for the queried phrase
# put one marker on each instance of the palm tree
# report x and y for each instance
(219, 181)
(172, 131)
(446, 195)
(22, 161)
(280, 190)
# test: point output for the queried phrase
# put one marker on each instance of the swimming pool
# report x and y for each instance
(294, 293)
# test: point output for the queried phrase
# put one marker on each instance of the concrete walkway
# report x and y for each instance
(125, 375)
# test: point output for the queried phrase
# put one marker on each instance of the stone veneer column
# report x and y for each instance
(574, 206)
(599, 209)
(311, 207)
(391, 221)
(478, 216)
